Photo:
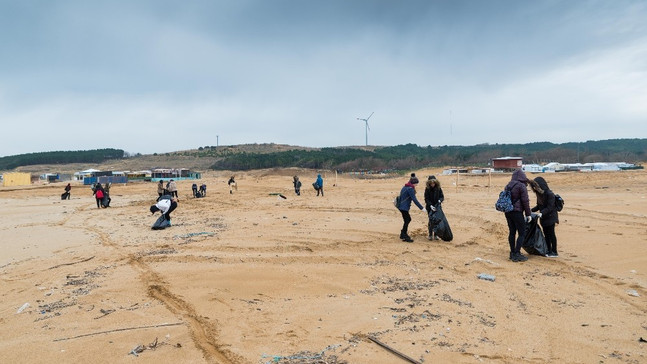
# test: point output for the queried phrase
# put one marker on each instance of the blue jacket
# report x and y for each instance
(407, 195)
(319, 181)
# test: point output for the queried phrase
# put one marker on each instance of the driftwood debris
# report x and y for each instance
(403, 356)
(80, 261)
(116, 330)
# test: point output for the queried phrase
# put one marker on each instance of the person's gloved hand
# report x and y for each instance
(439, 202)
(432, 208)
(528, 218)
(538, 214)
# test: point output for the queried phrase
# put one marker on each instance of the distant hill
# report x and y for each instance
(355, 158)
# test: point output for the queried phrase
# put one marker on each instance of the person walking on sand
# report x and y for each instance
(515, 218)
(547, 213)
(172, 188)
(68, 191)
(318, 185)
(434, 196)
(297, 185)
(232, 185)
(408, 195)
(161, 191)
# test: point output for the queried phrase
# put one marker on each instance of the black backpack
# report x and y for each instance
(559, 202)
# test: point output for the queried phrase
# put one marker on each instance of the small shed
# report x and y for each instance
(16, 179)
(507, 163)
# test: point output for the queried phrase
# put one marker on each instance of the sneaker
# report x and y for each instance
(430, 237)
(408, 239)
(436, 238)
(552, 255)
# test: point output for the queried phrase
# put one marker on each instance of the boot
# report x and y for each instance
(402, 234)
(407, 239)
(518, 257)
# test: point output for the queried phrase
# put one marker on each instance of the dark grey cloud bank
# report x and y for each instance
(158, 76)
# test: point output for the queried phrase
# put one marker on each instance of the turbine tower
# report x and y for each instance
(367, 128)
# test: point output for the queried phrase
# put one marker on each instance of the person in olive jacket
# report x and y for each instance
(515, 218)
(547, 213)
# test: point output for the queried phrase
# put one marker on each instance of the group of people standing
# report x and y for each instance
(169, 189)
(517, 219)
(102, 194)
(317, 184)
(545, 210)
(434, 197)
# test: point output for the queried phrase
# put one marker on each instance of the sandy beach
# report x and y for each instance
(251, 277)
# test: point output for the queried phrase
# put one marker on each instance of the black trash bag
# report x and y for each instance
(65, 195)
(534, 242)
(439, 225)
(105, 201)
(161, 223)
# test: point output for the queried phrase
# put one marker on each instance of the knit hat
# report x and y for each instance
(431, 177)
(413, 180)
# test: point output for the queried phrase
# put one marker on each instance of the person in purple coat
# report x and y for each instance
(408, 195)
(515, 218)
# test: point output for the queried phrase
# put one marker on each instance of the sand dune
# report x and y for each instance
(254, 278)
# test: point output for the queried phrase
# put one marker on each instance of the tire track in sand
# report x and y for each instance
(203, 334)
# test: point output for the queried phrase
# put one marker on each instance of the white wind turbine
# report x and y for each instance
(367, 128)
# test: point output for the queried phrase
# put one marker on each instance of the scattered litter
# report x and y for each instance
(137, 350)
(487, 277)
(633, 292)
(279, 195)
(189, 235)
(641, 340)
(304, 356)
(23, 307)
(477, 259)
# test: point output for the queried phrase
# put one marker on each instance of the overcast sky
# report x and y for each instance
(159, 76)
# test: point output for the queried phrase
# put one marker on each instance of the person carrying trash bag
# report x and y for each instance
(66, 194)
(433, 197)
(99, 194)
(408, 195)
(515, 218)
(547, 213)
(194, 188)
(166, 204)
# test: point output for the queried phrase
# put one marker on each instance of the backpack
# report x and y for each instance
(504, 203)
(396, 201)
(99, 194)
(559, 202)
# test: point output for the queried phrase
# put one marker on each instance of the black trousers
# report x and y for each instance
(406, 217)
(551, 238)
(167, 215)
(516, 227)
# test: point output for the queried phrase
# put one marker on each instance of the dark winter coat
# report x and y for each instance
(545, 202)
(519, 192)
(408, 195)
(433, 194)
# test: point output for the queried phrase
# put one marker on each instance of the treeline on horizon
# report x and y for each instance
(347, 159)
(61, 157)
(412, 156)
